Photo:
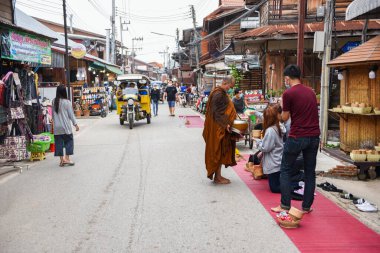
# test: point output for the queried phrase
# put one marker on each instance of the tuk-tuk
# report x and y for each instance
(133, 99)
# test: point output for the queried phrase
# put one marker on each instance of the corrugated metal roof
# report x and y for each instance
(7, 24)
(27, 22)
(221, 11)
(225, 13)
(359, 8)
(366, 53)
(232, 3)
(273, 30)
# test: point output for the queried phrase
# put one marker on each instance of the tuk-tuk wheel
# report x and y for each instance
(121, 122)
(148, 118)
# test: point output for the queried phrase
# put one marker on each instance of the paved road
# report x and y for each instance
(140, 190)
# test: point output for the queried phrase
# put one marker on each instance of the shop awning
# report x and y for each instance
(363, 9)
(97, 65)
(113, 69)
(367, 53)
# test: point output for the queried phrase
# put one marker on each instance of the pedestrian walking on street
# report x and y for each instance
(220, 144)
(155, 97)
(171, 97)
(63, 119)
(299, 103)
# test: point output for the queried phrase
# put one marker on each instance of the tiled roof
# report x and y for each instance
(273, 30)
(366, 53)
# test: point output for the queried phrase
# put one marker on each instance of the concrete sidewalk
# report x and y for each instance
(9, 170)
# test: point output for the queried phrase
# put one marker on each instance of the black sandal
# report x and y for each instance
(325, 184)
(347, 196)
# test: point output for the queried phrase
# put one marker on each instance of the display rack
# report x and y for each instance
(89, 95)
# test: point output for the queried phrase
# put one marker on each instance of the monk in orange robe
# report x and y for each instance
(220, 144)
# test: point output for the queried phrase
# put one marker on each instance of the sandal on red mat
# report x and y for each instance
(308, 211)
(278, 209)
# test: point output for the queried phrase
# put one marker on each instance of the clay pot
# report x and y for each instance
(86, 113)
(78, 113)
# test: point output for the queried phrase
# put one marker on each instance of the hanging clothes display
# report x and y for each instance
(15, 131)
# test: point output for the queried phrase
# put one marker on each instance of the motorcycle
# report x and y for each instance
(133, 99)
(98, 109)
(182, 99)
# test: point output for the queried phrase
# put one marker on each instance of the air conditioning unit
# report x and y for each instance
(319, 42)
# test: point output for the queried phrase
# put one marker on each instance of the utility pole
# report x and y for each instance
(113, 41)
(179, 56)
(301, 31)
(133, 52)
(164, 53)
(196, 45)
(325, 78)
(108, 51)
(121, 41)
(67, 62)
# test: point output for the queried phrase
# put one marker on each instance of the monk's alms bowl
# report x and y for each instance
(239, 126)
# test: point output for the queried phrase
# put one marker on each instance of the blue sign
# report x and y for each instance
(350, 45)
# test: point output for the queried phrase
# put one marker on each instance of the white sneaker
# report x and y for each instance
(366, 207)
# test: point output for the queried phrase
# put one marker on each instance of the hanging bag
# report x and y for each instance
(16, 107)
(14, 148)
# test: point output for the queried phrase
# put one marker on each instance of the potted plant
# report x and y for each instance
(86, 111)
(236, 74)
(77, 110)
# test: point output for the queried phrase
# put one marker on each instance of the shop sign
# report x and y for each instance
(20, 46)
(350, 45)
(249, 23)
(78, 51)
(253, 60)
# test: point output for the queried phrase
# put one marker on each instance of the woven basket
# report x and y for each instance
(358, 157)
(347, 109)
(288, 224)
(256, 134)
(295, 213)
(257, 172)
(336, 109)
(373, 157)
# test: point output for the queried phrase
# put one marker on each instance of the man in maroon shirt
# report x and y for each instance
(299, 104)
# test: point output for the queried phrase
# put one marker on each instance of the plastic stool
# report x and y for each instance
(37, 156)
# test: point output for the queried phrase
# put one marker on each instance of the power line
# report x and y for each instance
(39, 8)
(98, 9)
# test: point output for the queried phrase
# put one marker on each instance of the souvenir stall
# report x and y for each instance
(22, 116)
(359, 109)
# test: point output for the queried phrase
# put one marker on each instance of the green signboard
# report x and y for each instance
(20, 46)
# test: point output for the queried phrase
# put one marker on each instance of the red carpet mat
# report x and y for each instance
(193, 121)
(327, 229)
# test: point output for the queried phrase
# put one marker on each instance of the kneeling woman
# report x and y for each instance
(272, 147)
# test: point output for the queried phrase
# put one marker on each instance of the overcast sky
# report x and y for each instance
(145, 16)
